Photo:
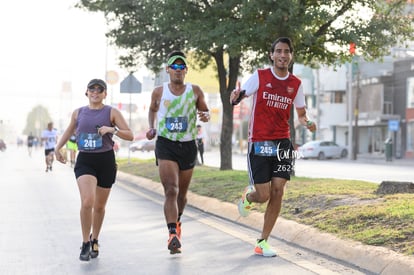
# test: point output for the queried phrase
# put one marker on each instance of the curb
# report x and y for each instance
(374, 259)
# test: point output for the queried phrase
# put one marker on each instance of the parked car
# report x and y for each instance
(3, 146)
(142, 145)
(322, 149)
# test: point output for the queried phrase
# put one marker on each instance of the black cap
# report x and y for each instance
(96, 81)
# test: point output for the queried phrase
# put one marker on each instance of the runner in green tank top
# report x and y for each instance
(174, 107)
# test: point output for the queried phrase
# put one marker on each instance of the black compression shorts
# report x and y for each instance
(100, 165)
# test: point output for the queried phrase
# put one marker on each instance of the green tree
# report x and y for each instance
(37, 120)
(236, 35)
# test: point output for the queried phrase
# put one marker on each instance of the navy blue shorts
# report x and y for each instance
(263, 168)
(100, 165)
(184, 153)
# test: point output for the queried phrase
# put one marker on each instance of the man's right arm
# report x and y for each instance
(152, 112)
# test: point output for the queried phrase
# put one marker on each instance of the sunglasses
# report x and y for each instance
(178, 66)
(98, 89)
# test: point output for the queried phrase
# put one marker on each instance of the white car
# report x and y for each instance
(142, 145)
(321, 149)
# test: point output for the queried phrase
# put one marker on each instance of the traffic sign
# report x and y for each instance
(112, 77)
(130, 85)
(393, 125)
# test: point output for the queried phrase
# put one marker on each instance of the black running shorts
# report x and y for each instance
(49, 151)
(100, 165)
(184, 153)
(263, 168)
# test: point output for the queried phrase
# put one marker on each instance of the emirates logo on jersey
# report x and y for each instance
(290, 90)
(277, 101)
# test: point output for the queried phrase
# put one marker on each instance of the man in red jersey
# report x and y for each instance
(270, 151)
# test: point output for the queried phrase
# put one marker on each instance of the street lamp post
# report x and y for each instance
(350, 113)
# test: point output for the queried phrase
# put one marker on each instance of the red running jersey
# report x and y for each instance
(271, 106)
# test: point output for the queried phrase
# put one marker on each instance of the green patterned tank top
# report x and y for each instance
(177, 115)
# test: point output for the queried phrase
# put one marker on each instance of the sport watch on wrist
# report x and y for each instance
(116, 130)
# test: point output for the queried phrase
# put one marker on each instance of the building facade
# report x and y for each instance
(375, 107)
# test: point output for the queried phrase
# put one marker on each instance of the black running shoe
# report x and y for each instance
(85, 252)
(94, 247)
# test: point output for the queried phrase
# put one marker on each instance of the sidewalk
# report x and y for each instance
(380, 159)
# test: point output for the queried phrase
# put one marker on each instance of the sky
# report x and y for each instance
(46, 43)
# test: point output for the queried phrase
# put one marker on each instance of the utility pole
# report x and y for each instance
(356, 115)
(318, 103)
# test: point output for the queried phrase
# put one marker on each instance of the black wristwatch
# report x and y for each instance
(116, 130)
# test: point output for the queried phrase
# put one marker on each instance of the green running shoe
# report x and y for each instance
(244, 205)
(263, 249)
